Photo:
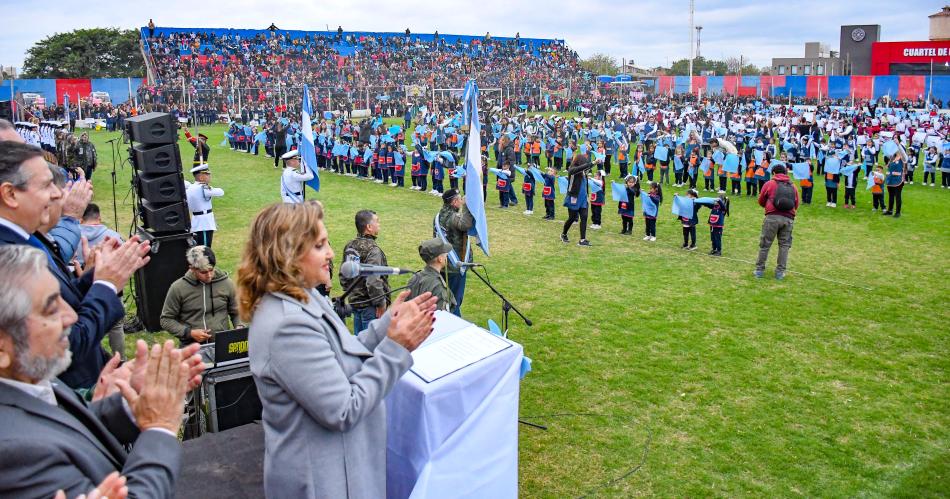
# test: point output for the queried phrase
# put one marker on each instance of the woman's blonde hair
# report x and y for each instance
(280, 234)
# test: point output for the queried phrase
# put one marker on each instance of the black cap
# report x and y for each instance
(449, 195)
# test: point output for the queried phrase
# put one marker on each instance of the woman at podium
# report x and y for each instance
(321, 387)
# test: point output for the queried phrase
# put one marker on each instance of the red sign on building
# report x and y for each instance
(910, 58)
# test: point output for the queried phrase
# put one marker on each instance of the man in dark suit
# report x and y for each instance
(51, 439)
(26, 193)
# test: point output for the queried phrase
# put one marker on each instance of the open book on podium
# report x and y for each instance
(455, 345)
(452, 421)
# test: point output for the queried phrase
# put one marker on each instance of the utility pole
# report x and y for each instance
(739, 74)
(699, 32)
(692, 7)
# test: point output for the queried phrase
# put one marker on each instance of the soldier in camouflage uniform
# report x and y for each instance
(370, 297)
(429, 279)
(455, 220)
(86, 155)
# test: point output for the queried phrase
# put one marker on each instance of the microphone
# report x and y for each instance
(469, 264)
(352, 269)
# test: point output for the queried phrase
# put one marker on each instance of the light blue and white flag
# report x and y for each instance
(683, 206)
(473, 166)
(801, 171)
(649, 207)
(308, 152)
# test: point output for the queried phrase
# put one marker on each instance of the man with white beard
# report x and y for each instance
(52, 439)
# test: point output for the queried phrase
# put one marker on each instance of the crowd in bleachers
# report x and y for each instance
(271, 66)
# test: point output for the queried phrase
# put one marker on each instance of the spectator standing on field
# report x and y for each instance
(779, 197)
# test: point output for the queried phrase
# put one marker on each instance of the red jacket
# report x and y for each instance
(767, 196)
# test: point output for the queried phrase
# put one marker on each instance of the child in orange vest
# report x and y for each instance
(649, 161)
(808, 185)
(877, 190)
(750, 183)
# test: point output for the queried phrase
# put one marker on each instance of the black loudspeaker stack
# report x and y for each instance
(162, 210)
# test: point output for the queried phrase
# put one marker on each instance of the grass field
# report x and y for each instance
(701, 380)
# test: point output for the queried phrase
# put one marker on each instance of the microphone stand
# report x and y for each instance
(342, 298)
(115, 206)
(506, 307)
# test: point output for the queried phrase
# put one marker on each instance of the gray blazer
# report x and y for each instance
(322, 390)
(74, 446)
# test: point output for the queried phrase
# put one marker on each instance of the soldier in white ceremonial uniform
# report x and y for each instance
(292, 180)
(199, 196)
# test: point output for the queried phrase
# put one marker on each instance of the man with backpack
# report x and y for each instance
(779, 197)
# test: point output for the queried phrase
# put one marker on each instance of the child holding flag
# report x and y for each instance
(876, 183)
(930, 165)
(623, 153)
(721, 172)
(807, 184)
(625, 208)
(735, 187)
(832, 178)
(548, 192)
(850, 173)
(414, 165)
(438, 173)
(692, 167)
(649, 161)
(707, 167)
(527, 189)
(656, 198)
(662, 152)
(597, 198)
(679, 166)
(399, 167)
(717, 221)
(913, 155)
(751, 185)
(689, 222)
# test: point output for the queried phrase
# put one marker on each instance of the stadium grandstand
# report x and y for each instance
(227, 69)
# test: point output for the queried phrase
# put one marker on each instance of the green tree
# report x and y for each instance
(681, 67)
(601, 64)
(85, 53)
(719, 68)
(732, 64)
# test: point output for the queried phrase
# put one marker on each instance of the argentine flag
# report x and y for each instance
(307, 151)
(473, 166)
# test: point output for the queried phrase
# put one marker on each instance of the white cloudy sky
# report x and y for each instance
(649, 32)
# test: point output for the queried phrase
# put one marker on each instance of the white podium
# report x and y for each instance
(456, 436)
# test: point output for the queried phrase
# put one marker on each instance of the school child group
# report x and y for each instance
(519, 146)
(386, 160)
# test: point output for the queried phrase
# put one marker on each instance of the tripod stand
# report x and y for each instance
(506, 308)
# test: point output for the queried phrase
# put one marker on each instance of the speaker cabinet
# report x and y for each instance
(156, 159)
(164, 189)
(166, 265)
(160, 218)
(232, 397)
(152, 128)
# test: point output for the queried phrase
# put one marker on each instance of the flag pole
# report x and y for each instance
(16, 108)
